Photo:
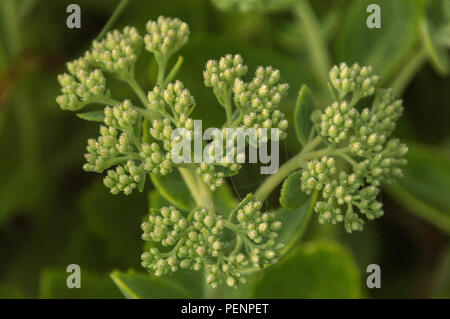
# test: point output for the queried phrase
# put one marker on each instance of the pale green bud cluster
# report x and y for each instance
(195, 240)
(102, 152)
(361, 138)
(384, 166)
(124, 178)
(169, 134)
(82, 86)
(118, 52)
(164, 226)
(343, 190)
(206, 239)
(213, 174)
(257, 101)
(175, 99)
(123, 116)
(165, 36)
(155, 160)
(356, 79)
(260, 99)
(221, 74)
(376, 124)
(336, 121)
(119, 144)
(261, 229)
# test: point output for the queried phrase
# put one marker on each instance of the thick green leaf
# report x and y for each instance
(437, 54)
(53, 285)
(173, 189)
(316, 270)
(291, 196)
(424, 188)
(92, 116)
(302, 115)
(144, 286)
(384, 48)
(295, 222)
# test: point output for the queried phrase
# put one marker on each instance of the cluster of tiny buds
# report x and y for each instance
(263, 92)
(336, 120)
(266, 119)
(195, 240)
(376, 124)
(344, 190)
(222, 74)
(163, 130)
(164, 226)
(359, 80)
(156, 161)
(384, 166)
(81, 87)
(123, 116)
(199, 240)
(317, 174)
(124, 178)
(229, 272)
(210, 176)
(165, 36)
(101, 151)
(256, 225)
(118, 52)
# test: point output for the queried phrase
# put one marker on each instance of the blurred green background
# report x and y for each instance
(53, 214)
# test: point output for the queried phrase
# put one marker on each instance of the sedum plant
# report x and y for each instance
(347, 151)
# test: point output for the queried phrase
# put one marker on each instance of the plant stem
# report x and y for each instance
(137, 89)
(115, 15)
(162, 64)
(174, 71)
(294, 163)
(191, 183)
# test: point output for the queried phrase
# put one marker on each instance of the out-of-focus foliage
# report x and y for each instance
(53, 214)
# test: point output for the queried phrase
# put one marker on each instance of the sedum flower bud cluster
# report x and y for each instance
(119, 145)
(213, 174)
(257, 101)
(81, 86)
(336, 121)
(118, 52)
(360, 81)
(361, 138)
(202, 239)
(260, 99)
(220, 75)
(165, 36)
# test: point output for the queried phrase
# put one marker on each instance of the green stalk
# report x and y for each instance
(191, 183)
(117, 11)
(174, 71)
(317, 46)
(293, 164)
(137, 89)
